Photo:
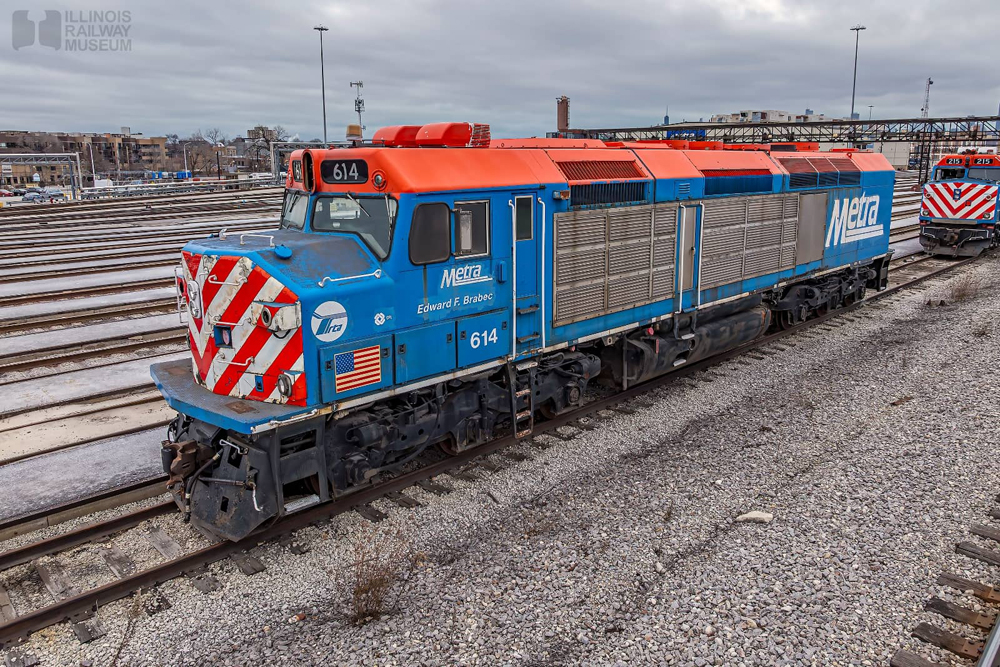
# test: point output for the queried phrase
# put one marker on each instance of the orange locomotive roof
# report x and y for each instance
(408, 170)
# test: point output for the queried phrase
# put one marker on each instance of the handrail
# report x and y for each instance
(269, 237)
(377, 273)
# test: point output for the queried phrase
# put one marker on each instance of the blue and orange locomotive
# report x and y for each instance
(958, 211)
(433, 288)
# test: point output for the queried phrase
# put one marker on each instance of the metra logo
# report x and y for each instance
(853, 220)
(329, 321)
(469, 274)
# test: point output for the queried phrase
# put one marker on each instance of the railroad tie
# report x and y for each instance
(248, 564)
(986, 531)
(203, 580)
(980, 590)
(119, 564)
(19, 659)
(949, 641)
(55, 580)
(434, 487)
(371, 514)
(403, 500)
(7, 611)
(972, 550)
(959, 613)
(903, 658)
(166, 545)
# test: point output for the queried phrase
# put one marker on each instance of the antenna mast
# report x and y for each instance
(359, 103)
(925, 110)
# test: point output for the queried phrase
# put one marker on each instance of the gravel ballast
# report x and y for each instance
(861, 452)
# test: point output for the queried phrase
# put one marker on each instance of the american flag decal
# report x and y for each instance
(357, 368)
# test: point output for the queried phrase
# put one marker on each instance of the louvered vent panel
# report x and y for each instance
(627, 223)
(721, 270)
(595, 275)
(581, 228)
(763, 234)
(599, 170)
(623, 292)
(763, 261)
(722, 240)
(663, 283)
(626, 258)
(718, 213)
(666, 220)
(765, 208)
(663, 252)
(584, 265)
(787, 256)
(790, 231)
(577, 302)
(792, 207)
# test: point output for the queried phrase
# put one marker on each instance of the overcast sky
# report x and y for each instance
(233, 65)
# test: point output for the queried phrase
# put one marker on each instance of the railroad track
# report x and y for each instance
(985, 653)
(126, 578)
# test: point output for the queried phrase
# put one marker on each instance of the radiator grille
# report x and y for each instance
(599, 170)
(821, 172)
(607, 193)
(747, 237)
(612, 259)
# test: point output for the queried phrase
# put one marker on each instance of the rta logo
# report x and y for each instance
(22, 30)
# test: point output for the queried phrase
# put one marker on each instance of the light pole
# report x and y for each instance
(857, 36)
(93, 172)
(185, 157)
(870, 106)
(322, 73)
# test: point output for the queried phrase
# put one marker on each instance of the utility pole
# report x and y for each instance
(359, 103)
(322, 73)
(926, 109)
(857, 36)
(93, 172)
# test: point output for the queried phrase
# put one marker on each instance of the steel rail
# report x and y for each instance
(88, 601)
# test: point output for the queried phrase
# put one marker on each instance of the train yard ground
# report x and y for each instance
(623, 544)
(619, 540)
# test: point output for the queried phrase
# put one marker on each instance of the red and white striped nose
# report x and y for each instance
(247, 334)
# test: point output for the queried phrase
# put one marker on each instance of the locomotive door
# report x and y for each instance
(525, 226)
(688, 249)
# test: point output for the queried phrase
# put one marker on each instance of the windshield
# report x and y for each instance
(371, 218)
(949, 174)
(293, 210)
(985, 173)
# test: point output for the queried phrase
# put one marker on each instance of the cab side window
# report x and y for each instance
(472, 229)
(430, 238)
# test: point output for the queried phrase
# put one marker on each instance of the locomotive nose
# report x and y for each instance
(244, 329)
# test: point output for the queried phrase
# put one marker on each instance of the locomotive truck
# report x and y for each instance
(958, 209)
(431, 288)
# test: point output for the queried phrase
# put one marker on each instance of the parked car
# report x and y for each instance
(54, 193)
(36, 197)
(18, 192)
(6, 193)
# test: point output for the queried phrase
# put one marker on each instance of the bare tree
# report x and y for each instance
(280, 133)
(216, 136)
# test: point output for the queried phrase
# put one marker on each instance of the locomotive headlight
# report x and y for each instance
(925, 211)
(285, 383)
(194, 298)
(265, 317)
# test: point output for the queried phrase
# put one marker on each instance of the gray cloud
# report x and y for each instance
(233, 65)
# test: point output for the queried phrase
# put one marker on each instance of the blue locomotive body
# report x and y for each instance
(419, 296)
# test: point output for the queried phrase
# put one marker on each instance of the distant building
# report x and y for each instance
(769, 116)
(113, 151)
